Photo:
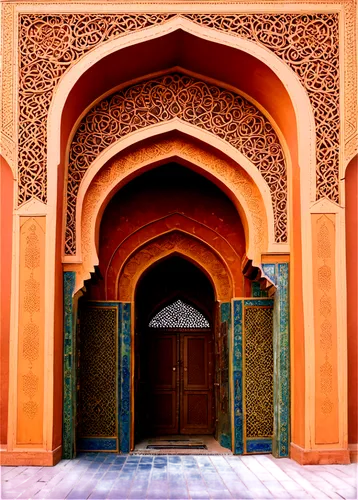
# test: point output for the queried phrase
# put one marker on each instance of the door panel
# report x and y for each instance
(195, 363)
(164, 383)
(196, 394)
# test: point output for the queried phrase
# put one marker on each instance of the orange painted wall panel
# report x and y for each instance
(30, 381)
(6, 206)
(325, 322)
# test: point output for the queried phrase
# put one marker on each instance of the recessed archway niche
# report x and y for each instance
(177, 243)
(254, 208)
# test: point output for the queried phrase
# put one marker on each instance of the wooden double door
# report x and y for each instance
(181, 383)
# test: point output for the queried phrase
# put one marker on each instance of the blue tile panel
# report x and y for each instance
(270, 271)
(237, 378)
(258, 302)
(282, 396)
(124, 374)
(224, 420)
(97, 444)
(256, 290)
(225, 312)
(225, 441)
(259, 445)
(68, 437)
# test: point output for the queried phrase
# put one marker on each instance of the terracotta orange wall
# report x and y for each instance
(6, 204)
(351, 184)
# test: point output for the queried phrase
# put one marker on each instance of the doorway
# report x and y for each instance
(175, 352)
(180, 380)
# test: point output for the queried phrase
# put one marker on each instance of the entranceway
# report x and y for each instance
(162, 352)
(175, 353)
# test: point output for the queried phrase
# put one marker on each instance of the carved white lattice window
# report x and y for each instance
(179, 315)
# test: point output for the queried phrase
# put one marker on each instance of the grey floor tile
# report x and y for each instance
(119, 494)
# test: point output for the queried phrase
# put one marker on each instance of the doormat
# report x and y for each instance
(176, 447)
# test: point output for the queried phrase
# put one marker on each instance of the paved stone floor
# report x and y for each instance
(180, 477)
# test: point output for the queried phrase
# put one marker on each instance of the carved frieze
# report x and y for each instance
(50, 44)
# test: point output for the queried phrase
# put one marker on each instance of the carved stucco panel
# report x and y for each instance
(31, 330)
(221, 112)
(236, 179)
(350, 82)
(308, 43)
(7, 85)
(164, 245)
(325, 311)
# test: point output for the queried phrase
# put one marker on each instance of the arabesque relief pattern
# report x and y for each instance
(229, 116)
(50, 44)
(326, 379)
(31, 331)
(309, 44)
(165, 245)
(236, 179)
(7, 113)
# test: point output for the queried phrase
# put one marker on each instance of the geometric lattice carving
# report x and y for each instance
(309, 45)
(258, 371)
(179, 315)
(51, 44)
(98, 372)
(222, 112)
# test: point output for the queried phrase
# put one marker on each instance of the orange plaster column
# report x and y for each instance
(327, 437)
(26, 428)
(30, 375)
(325, 322)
